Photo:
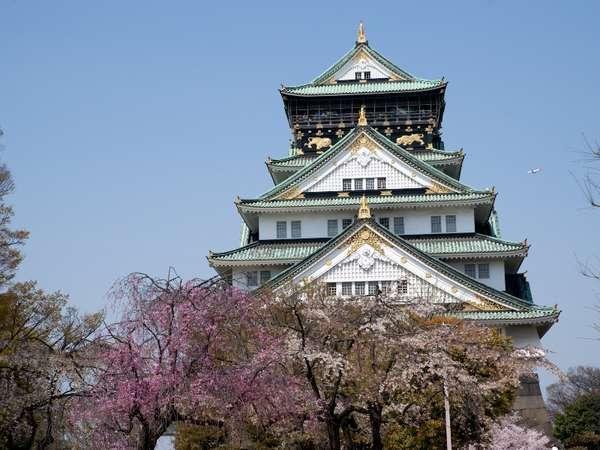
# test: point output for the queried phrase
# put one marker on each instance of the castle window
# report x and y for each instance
(346, 288)
(347, 184)
(450, 224)
(346, 223)
(296, 226)
(265, 275)
(370, 184)
(384, 222)
(331, 289)
(380, 183)
(398, 225)
(436, 224)
(358, 184)
(373, 288)
(484, 270)
(281, 229)
(332, 227)
(359, 288)
(367, 75)
(251, 279)
(470, 270)
(402, 287)
(357, 75)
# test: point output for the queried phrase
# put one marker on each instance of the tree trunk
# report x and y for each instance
(333, 433)
(375, 419)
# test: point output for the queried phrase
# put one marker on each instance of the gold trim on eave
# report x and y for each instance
(364, 212)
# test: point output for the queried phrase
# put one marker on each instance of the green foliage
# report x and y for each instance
(579, 424)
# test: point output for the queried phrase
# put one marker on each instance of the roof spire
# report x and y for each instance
(361, 37)
(362, 117)
(364, 212)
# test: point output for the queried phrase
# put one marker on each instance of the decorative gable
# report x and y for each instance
(363, 158)
(363, 63)
(367, 255)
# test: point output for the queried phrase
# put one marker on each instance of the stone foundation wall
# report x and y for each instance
(531, 407)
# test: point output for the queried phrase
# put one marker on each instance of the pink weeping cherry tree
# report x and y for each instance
(191, 352)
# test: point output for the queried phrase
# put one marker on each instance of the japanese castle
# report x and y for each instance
(368, 200)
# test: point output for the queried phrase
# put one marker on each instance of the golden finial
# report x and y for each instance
(361, 37)
(364, 212)
(362, 117)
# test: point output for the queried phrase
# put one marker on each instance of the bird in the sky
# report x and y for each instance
(533, 171)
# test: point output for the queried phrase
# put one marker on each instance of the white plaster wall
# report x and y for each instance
(523, 335)
(416, 221)
(496, 279)
(238, 278)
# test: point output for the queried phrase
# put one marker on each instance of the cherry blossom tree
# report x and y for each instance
(508, 434)
(43, 348)
(189, 352)
(377, 365)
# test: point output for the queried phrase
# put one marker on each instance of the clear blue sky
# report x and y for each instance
(131, 126)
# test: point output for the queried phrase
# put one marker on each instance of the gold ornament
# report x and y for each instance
(362, 117)
(361, 37)
(364, 212)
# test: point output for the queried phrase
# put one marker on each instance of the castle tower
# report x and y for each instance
(368, 200)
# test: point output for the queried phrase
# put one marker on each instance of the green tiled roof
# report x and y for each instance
(437, 156)
(429, 156)
(468, 198)
(373, 87)
(371, 52)
(340, 145)
(290, 252)
(440, 246)
(298, 161)
(540, 313)
(461, 245)
(322, 84)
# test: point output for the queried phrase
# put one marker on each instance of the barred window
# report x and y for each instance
(436, 224)
(358, 184)
(398, 225)
(470, 270)
(347, 184)
(367, 75)
(332, 227)
(251, 279)
(346, 288)
(402, 287)
(370, 184)
(385, 222)
(331, 289)
(484, 270)
(380, 183)
(451, 224)
(359, 288)
(281, 229)
(265, 275)
(373, 288)
(346, 223)
(357, 75)
(296, 226)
